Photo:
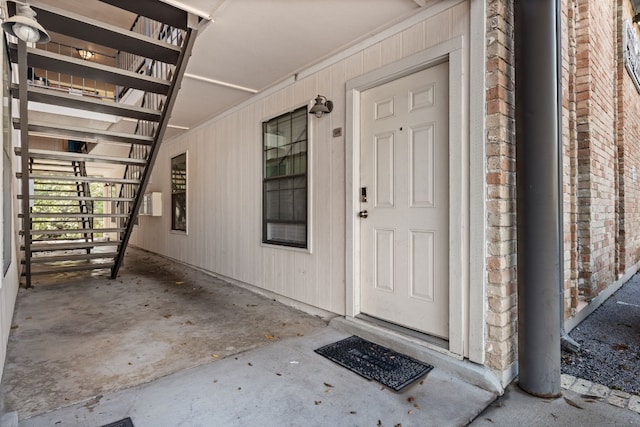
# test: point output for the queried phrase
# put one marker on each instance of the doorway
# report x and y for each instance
(404, 201)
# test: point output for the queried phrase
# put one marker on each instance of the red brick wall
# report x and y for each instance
(628, 133)
(597, 155)
(601, 163)
(601, 129)
(501, 219)
(569, 159)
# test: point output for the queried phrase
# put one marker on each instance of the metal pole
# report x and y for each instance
(539, 239)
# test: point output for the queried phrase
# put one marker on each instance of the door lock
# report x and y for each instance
(363, 214)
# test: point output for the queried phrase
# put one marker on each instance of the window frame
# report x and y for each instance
(174, 194)
(285, 244)
(7, 166)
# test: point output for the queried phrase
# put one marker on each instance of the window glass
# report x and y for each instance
(7, 175)
(285, 179)
(179, 192)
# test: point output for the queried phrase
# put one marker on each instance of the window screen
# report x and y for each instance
(179, 192)
(285, 146)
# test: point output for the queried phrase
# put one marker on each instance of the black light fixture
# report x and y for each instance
(24, 26)
(322, 106)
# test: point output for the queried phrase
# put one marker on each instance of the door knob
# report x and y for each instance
(363, 214)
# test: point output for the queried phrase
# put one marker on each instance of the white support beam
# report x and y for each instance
(219, 83)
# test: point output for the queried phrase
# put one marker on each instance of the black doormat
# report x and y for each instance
(375, 362)
(122, 423)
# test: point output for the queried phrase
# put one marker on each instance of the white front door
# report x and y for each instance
(404, 179)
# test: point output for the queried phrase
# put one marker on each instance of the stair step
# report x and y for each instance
(66, 269)
(57, 178)
(83, 134)
(65, 99)
(74, 215)
(49, 247)
(80, 157)
(85, 28)
(40, 190)
(88, 238)
(62, 176)
(72, 257)
(37, 205)
(52, 169)
(55, 221)
(55, 166)
(49, 182)
(53, 172)
(73, 231)
(78, 198)
(158, 11)
(54, 62)
(53, 239)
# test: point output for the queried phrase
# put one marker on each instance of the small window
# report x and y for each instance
(284, 201)
(179, 192)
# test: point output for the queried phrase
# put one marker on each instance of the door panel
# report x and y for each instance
(405, 167)
(422, 163)
(384, 250)
(384, 173)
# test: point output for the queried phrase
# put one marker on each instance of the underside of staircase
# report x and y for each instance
(82, 182)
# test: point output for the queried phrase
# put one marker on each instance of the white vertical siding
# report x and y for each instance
(225, 180)
(10, 281)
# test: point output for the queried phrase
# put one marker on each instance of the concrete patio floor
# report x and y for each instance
(283, 384)
(77, 336)
(168, 346)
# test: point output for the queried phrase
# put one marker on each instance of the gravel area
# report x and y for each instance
(610, 342)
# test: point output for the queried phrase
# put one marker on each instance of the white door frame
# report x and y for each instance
(453, 51)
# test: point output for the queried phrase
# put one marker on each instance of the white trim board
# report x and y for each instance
(453, 51)
(477, 183)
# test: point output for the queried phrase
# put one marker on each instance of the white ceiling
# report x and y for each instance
(255, 44)
(258, 43)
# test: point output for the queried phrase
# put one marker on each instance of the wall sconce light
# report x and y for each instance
(24, 26)
(322, 106)
(85, 54)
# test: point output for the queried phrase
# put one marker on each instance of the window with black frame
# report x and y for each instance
(179, 192)
(285, 165)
